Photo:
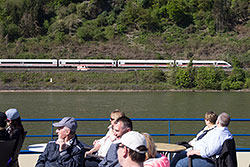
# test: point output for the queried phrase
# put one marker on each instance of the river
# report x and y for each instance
(134, 104)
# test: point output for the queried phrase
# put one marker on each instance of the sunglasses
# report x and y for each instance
(121, 146)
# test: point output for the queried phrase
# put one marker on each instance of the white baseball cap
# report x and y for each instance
(12, 114)
(133, 140)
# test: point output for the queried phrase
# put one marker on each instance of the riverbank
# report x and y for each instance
(88, 91)
(175, 79)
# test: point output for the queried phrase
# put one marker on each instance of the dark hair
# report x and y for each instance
(127, 123)
(16, 128)
(138, 157)
(3, 119)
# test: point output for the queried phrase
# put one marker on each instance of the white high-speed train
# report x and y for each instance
(95, 63)
(108, 63)
(28, 63)
(203, 63)
(145, 63)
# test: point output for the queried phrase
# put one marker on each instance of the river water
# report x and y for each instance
(135, 105)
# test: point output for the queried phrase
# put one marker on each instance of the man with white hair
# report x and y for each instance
(66, 151)
(132, 149)
(209, 145)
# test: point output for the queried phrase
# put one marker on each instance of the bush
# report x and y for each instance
(151, 76)
(236, 85)
(13, 32)
(59, 36)
(237, 74)
(183, 79)
(206, 78)
(109, 32)
(247, 83)
(90, 31)
(225, 85)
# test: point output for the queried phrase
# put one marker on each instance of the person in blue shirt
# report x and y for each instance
(209, 145)
(210, 121)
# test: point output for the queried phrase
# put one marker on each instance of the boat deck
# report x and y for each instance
(29, 160)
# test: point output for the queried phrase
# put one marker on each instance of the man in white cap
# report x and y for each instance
(132, 149)
(66, 151)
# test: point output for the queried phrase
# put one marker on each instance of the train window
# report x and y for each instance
(88, 63)
(72, 63)
(147, 63)
(203, 64)
(37, 62)
(95, 63)
(11, 62)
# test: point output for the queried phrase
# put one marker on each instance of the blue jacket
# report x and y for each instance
(111, 158)
(71, 157)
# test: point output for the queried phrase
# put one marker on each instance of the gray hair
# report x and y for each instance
(224, 119)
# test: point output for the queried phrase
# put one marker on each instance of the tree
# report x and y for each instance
(221, 12)
(183, 79)
(206, 78)
(240, 11)
(179, 12)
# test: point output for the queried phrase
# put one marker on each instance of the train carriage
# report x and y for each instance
(203, 63)
(145, 63)
(94, 63)
(28, 63)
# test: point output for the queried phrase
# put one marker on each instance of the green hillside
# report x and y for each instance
(127, 29)
(118, 29)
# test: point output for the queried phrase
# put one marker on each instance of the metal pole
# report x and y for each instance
(52, 130)
(169, 131)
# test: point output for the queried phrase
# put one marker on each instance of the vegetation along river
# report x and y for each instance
(135, 105)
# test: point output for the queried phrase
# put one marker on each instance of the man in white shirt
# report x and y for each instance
(209, 145)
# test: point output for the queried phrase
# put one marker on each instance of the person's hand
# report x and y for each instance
(87, 153)
(193, 152)
(62, 144)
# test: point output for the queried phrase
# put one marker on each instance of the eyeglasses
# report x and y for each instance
(112, 119)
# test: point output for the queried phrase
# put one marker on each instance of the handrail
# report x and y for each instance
(169, 134)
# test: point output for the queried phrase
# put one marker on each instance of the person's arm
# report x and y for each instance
(98, 144)
(94, 149)
(193, 152)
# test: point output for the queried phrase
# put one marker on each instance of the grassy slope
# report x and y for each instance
(169, 45)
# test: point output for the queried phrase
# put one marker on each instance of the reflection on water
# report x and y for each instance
(135, 105)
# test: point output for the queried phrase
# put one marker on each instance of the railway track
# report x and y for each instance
(90, 70)
(68, 70)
